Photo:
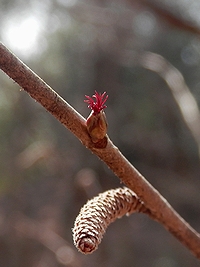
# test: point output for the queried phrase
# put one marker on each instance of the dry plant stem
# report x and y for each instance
(40, 232)
(170, 18)
(180, 91)
(42, 93)
(174, 79)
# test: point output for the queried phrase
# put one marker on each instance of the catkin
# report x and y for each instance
(96, 215)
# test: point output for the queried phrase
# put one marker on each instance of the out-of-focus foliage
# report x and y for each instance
(46, 175)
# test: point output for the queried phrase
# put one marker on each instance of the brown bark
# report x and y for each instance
(51, 101)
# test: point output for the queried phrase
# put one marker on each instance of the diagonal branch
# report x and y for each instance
(42, 233)
(168, 16)
(51, 101)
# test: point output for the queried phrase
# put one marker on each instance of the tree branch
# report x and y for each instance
(174, 79)
(42, 233)
(51, 101)
(180, 91)
(172, 19)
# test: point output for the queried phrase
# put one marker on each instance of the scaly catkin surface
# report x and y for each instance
(96, 215)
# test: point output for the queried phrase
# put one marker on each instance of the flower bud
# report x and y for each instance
(96, 121)
(97, 126)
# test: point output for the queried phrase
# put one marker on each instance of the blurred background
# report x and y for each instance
(46, 175)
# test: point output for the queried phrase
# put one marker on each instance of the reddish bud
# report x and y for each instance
(96, 121)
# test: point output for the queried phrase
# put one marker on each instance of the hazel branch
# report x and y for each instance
(71, 119)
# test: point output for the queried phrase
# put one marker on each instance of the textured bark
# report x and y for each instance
(52, 102)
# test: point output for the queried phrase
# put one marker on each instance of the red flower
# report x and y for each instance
(99, 104)
(96, 122)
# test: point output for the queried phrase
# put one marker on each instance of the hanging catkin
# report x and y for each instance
(95, 216)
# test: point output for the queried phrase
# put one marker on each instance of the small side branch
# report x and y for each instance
(174, 79)
(41, 232)
(52, 102)
(180, 91)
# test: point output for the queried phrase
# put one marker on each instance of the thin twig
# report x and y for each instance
(33, 229)
(176, 83)
(51, 101)
(180, 91)
(165, 14)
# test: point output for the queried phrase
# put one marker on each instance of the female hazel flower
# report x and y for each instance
(96, 122)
